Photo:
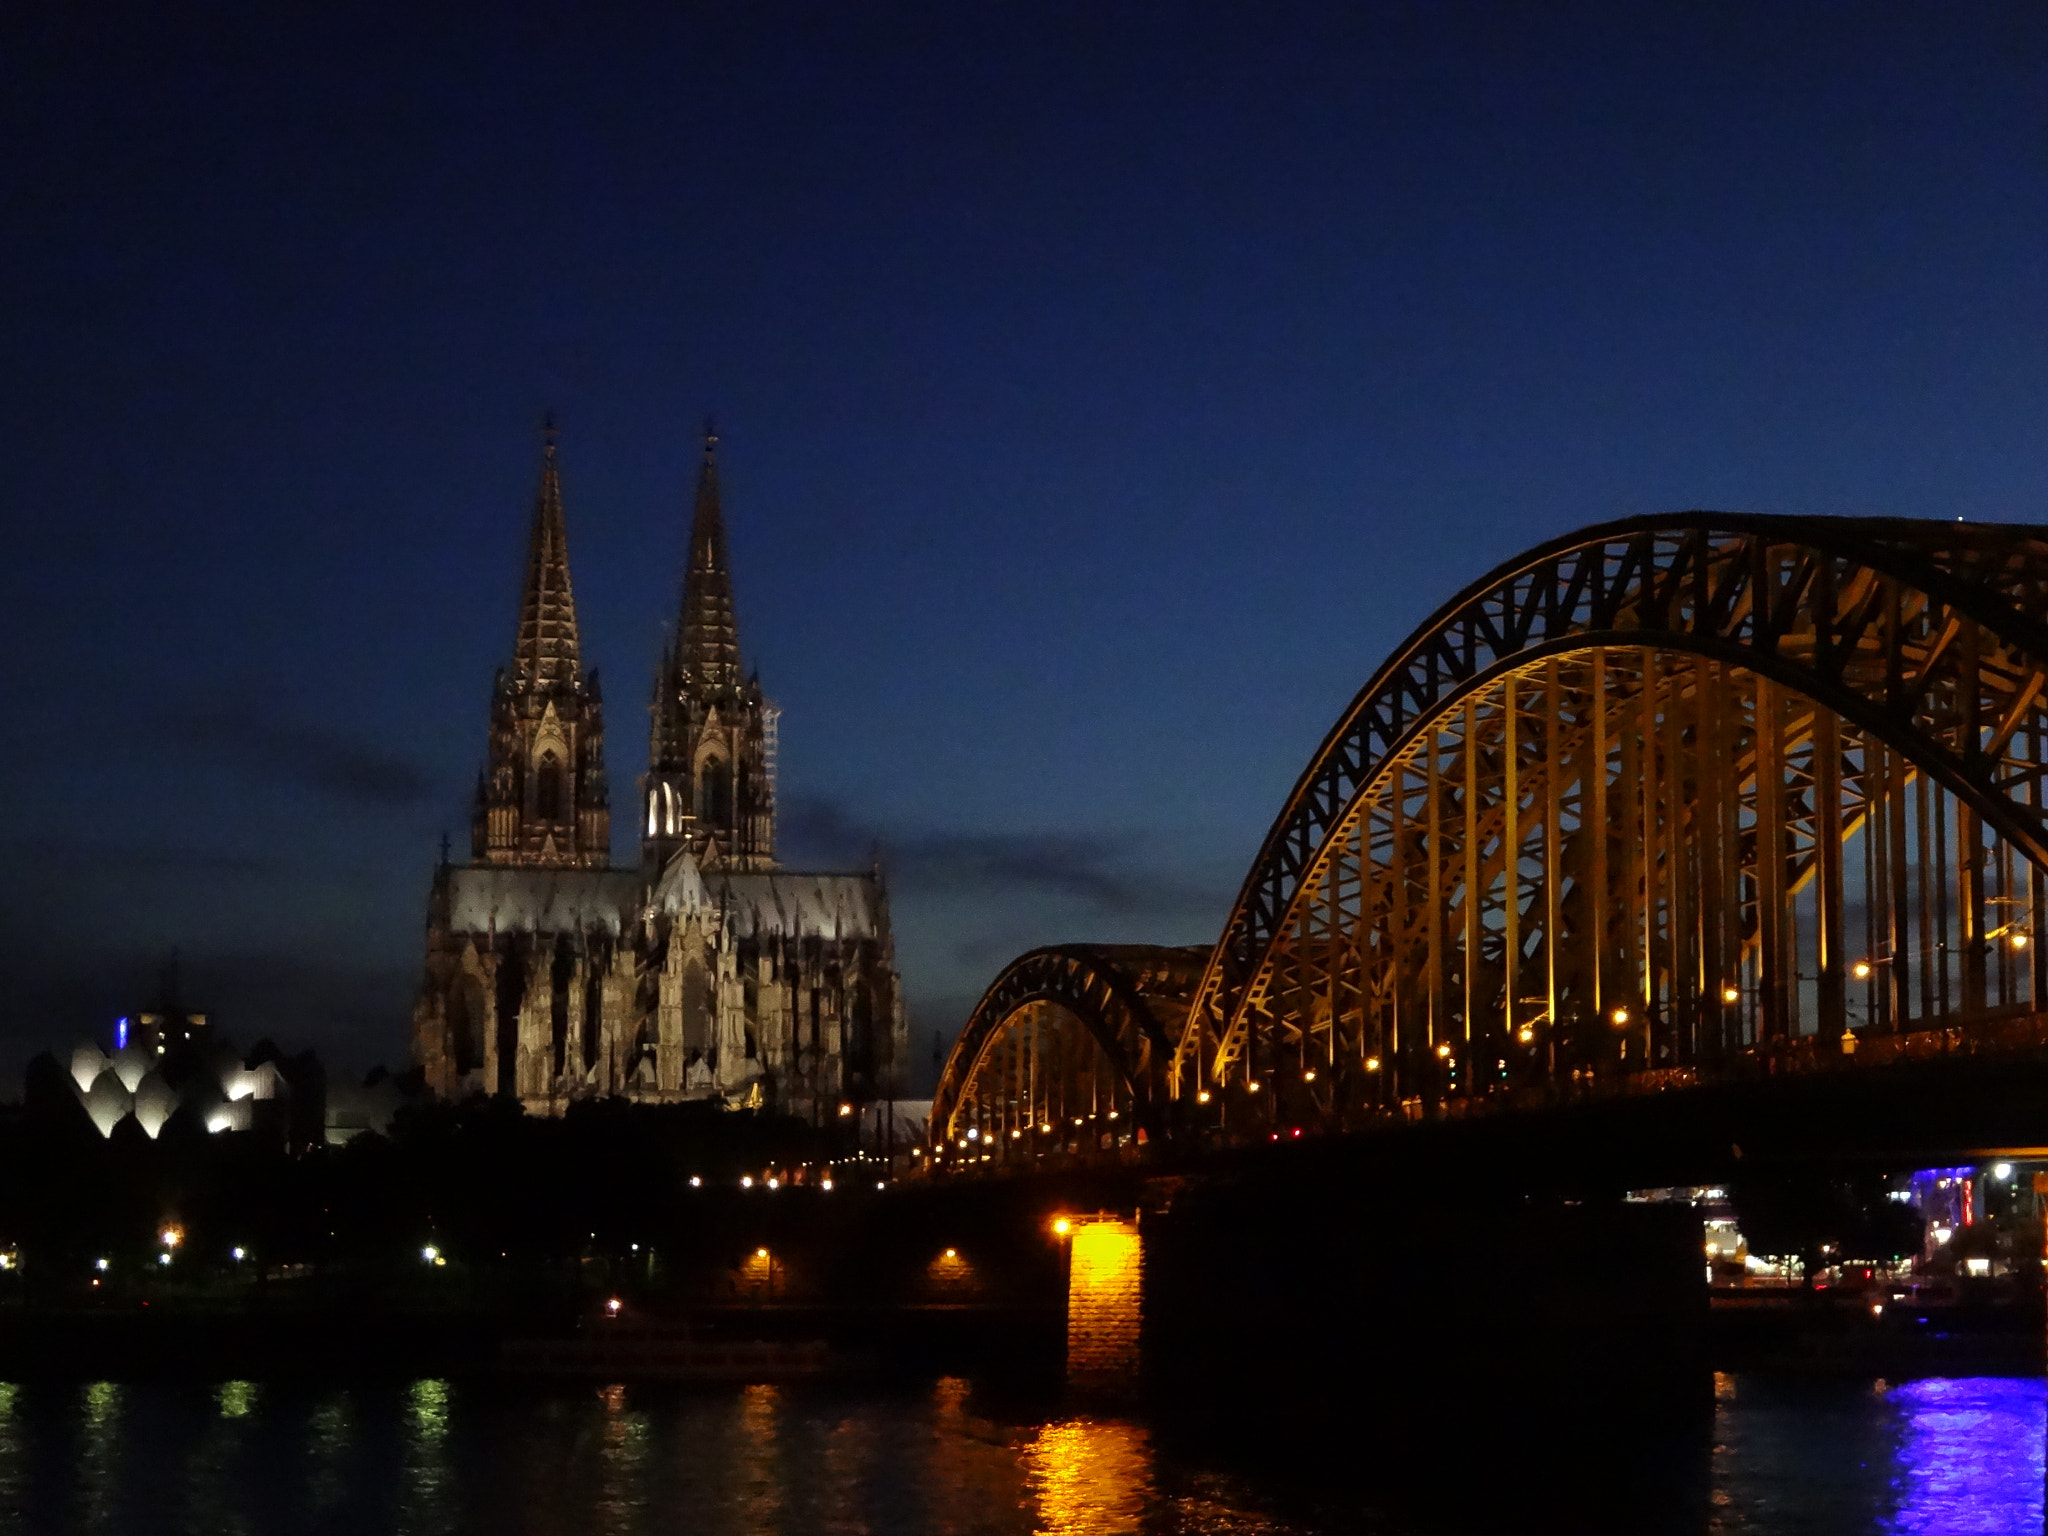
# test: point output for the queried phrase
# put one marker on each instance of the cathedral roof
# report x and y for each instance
(547, 651)
(483, 898)
(801, 905)
(792, 903)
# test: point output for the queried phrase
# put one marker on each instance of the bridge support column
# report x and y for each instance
(1105, 1305)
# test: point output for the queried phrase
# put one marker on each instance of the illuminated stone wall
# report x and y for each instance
(1105, 1302)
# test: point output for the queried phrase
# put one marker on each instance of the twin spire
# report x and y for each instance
(708, 639)
(548, 652)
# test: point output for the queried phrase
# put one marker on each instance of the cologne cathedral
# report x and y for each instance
(704, 971)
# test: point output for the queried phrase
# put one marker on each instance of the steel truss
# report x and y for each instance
(1066, 1052)
(1654, 798)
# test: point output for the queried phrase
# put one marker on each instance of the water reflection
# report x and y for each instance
(1970, 1455)
(1090, 1477)
(98, 1448)
(439, 1456)
(428, 1486)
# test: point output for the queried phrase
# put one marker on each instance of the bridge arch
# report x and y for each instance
(1851, 663)
(1068, 1047)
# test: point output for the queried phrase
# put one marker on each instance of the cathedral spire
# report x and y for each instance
(547, 651)
(708, 639)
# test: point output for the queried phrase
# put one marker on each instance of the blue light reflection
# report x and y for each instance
(1970, 1455)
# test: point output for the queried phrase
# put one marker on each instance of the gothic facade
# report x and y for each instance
(702, 970)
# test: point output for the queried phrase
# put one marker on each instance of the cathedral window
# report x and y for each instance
(714, 792)
(547, 796)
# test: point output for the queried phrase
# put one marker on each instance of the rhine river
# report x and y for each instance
(1938, 1455)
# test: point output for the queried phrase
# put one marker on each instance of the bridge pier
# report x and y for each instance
(1105, 1305)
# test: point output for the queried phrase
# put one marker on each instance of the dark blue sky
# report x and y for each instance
(1104, 389)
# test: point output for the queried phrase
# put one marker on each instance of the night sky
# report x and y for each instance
(1103, 391)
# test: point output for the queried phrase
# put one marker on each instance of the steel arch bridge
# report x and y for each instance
(1663, 800)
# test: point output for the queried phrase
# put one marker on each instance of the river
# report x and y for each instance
(433, 1456)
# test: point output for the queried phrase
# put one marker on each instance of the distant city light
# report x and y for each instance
(1202, 1097)
(696, 1182)
(612, 1307)
(1444, 1049)
(1250, 1087)
(170, 1237)
(1620, 1016)
(99, 1264)
(746, 1181)
(163, 1258)
(238, 1254)
(2001, 1170)
(431, 1254)
(825, 1184)
(1372, 1063)
(1730, 995)
(845, 1110)
(1309, 1076)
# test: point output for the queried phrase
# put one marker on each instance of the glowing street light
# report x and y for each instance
(1372, 1063)
(1620, 1017)
(430, 1254)
(1062, 1226)
(170, 1237)
(1860, 970)
(1731, 994)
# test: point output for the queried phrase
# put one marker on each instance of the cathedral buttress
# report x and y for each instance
(542, 798)
(710, 783)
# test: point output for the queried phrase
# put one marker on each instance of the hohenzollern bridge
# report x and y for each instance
(1660, 807)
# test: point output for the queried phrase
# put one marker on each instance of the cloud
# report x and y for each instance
(313, 757)
(1122, 872)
